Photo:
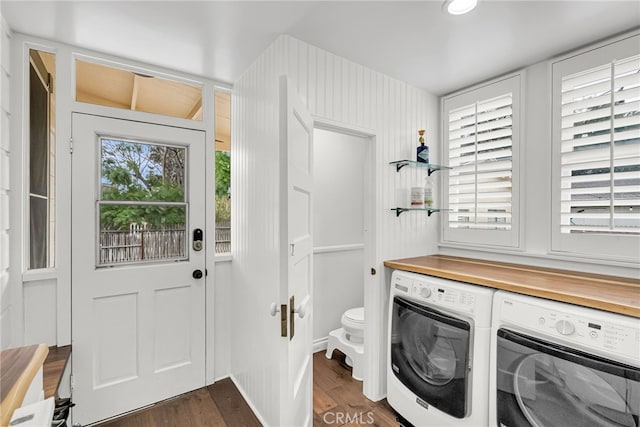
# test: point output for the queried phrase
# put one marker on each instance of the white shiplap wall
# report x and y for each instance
(345, 94)
(5, 111)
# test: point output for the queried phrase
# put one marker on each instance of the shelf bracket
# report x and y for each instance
(400, 165)
(399, 211)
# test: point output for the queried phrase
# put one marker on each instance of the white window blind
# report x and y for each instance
(480, 155)
(600, 149)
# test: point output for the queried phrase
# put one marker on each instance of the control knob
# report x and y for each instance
(425, 292)
(565, 327)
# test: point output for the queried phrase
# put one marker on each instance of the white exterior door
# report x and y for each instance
(138, 300)
(296, 290)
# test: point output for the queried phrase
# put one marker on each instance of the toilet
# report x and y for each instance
(350, 340)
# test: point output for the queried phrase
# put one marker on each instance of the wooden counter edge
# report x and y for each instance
(530, 290)
(16, 395)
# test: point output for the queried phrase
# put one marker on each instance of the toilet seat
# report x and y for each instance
(355, 315)
(353, 324)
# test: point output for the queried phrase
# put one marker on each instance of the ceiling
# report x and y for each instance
(412, 41)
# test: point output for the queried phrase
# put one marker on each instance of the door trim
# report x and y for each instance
(375, 291)
(187, 370)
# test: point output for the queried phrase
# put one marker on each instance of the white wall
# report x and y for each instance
(224, 314)
(6, 339)
(345, 94)
(536, 189)
(338, 227)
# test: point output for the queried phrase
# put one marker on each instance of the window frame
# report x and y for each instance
(602, 246)
(48, 82)
(488, 238)
(222, 256)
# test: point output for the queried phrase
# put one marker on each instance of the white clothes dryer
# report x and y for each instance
(438, 350)
(558, 364)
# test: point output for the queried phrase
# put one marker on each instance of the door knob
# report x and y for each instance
(273, 309)
(303, 308)
(197, 274)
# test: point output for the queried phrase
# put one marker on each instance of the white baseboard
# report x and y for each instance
(320, 344)
(249, 402)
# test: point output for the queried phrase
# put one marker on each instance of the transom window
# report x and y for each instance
(136, 91)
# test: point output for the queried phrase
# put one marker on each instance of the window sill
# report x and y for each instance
(40, 274)
(549, 255)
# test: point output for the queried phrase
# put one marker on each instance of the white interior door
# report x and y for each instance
(138, 302)
(296, 290)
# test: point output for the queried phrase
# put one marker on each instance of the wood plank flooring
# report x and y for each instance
(53, 369)
(338, 398)
(337, 401)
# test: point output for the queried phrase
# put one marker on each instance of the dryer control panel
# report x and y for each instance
(456, 297)
(437, 294)
(442, 295)
(590, 328)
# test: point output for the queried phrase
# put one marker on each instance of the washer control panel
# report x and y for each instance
(591, 328)
(442, 295)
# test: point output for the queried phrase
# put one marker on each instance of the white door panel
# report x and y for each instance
(296, 145)
(138, 313)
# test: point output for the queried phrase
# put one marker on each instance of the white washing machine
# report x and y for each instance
(557, 364)
(438, 352)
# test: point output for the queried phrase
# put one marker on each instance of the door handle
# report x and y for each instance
(197, 274)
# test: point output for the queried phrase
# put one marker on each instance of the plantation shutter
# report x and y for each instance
(600, 149)
(480, 155)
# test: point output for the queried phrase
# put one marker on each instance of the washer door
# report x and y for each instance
(430, 356)
(542, 384)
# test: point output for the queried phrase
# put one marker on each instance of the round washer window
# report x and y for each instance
(429, 353)
(555, 392)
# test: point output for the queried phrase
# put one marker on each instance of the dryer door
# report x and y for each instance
(545, 384)
(430, 356)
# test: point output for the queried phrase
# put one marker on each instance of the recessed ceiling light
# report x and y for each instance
(459, 7)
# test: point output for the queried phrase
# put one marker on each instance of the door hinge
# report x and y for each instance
(72, 381)
(70, 145)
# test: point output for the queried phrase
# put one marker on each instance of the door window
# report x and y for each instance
(142, 206)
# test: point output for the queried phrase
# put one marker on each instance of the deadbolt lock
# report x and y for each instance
(198, 236)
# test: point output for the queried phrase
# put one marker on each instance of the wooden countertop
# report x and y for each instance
(609, 293)
(18, 366)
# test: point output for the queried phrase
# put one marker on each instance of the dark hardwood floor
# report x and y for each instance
(337, 401)
(338, 398)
